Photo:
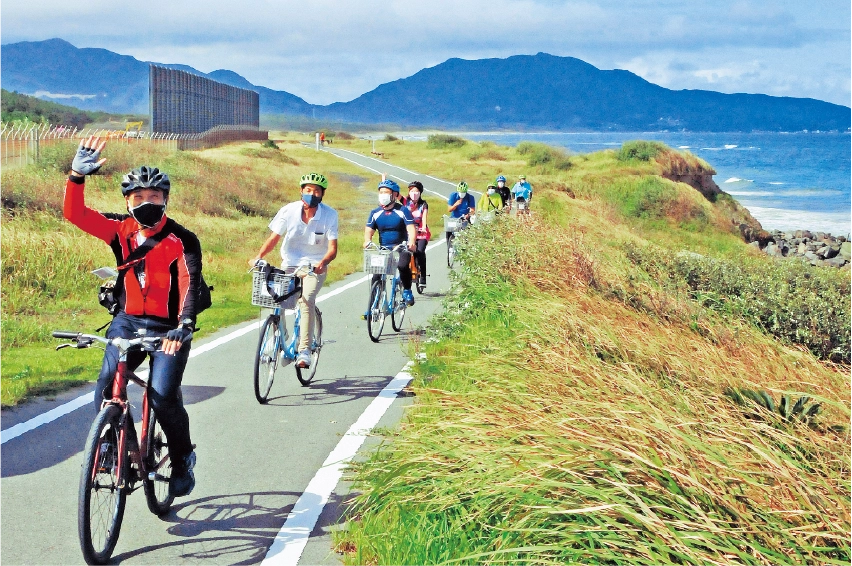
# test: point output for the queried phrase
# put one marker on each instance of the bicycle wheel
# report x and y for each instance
(398, 308)
(156, 454)
(376, 310)
(451, 252)
(266, 358)
(305, 375)
(101, 501)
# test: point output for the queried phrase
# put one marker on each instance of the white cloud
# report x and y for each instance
(326, 50)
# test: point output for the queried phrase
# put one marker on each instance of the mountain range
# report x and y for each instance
(521, 92)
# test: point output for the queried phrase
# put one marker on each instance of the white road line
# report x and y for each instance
(290, 541)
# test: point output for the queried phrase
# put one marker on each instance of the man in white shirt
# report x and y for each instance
(309, 229)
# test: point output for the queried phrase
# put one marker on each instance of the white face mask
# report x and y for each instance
(414, 195)
(501, 184)
(384, 199)
(490, 191)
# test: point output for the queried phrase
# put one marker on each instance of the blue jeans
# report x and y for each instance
(165, 376)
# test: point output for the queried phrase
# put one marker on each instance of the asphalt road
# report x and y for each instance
(258, 466)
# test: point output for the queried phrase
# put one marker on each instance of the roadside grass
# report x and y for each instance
(572, 408)
(226, 195)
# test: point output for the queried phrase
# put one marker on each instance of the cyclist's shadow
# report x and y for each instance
(238, 528)
(334, 391)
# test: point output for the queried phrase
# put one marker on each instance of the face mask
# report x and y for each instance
(463, 192)
(148, 214)
(414, 195)
(311, 200)
(501, 184)
(490, 191)
(384, 199)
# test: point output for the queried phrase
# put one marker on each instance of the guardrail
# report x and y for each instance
(21, 144)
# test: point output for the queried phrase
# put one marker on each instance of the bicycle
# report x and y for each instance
(383, 300)
(113, 459)
(451, 226)
(279, 290)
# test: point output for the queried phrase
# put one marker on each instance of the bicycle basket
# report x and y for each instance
(380, 262)
(280, 283)
(452, 224)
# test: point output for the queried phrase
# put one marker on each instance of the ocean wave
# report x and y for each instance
(730, 146)
(835, 223)
(738, 180)
(684, 147)
(775, 183)
(752, 193)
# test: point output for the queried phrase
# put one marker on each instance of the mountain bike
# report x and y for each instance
(114, 459)
(385, 293)
(451, 226)
(280, 290)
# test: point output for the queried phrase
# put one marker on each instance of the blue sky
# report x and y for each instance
(327, 51)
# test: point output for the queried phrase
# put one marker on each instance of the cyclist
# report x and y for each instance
(460, 205)
(491, 200)
(505, 192)
(309, 229)
(523, 191)
(419, 211)
(156, 293)
(395, 225)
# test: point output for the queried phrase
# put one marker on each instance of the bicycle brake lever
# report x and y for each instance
(67, 345)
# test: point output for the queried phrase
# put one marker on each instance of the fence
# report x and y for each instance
(20, 143)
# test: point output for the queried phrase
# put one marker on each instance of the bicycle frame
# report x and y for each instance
(289, 348)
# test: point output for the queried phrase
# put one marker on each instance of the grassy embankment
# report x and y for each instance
(226, 195)
(592, 395)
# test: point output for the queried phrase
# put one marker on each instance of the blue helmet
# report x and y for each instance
(388, 184)
(501, 178)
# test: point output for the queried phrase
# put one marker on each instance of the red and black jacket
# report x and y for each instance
(171, 269)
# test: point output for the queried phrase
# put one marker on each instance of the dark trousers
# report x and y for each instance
(165, 376)
(420, 258)
(404, 267)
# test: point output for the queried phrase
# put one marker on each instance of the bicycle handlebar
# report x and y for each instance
(261, 263)
(399, 247)
(146, 343)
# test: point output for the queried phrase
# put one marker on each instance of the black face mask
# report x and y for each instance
(148, 214)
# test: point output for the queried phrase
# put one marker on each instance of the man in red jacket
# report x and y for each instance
(156, 292)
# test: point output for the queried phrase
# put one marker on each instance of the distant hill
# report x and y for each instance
(564, 93)
(522, 92)
(20, 107)
(98, 79)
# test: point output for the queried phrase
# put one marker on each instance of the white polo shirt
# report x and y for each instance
(304, 243)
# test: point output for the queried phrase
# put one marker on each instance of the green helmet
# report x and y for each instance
(314, 179)
(461, 187)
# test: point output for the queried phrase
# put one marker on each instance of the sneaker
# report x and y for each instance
(423, 280)
(408, 297)
(303, 360)
(183, 478)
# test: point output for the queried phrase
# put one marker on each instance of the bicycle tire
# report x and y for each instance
(101, 501)
(398, 308)
(156, 454)
(376, 310)
(451, 253)
(306, 375)
(266, 358)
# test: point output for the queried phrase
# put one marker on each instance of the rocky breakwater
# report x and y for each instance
(817, 248)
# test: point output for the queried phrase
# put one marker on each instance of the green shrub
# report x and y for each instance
(790, 300)
(390, 138)
(269, 144)
(443, 141)
(345, 136)
(544, 156)
(640, 150)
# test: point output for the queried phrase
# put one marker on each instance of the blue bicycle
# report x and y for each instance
(385, 292)
(280, 290)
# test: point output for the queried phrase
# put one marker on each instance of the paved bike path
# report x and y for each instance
(254, 462)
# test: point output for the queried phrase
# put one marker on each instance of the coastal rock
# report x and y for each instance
(846, 251)
(831, 251)
(802, 248)
(810, 256)
(836, 262)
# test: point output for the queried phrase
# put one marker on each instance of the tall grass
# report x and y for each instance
(557, 423)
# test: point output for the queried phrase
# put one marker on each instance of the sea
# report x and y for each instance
(788, 181)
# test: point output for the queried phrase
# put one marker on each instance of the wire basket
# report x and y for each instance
(281, 284)
(453, 224)
(380, 262)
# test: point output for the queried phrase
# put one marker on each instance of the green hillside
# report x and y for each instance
(20, 107)
(618, 380)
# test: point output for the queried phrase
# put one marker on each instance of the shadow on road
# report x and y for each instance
(232, 529)
(63, 438)
(340, 390)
